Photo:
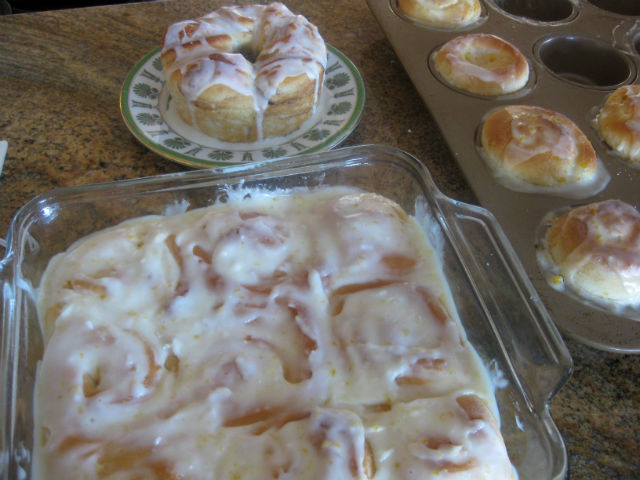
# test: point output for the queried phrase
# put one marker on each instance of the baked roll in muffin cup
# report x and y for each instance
(592, 252)
(442, 13)
(481, 64)
(618, 123)
(536, 150)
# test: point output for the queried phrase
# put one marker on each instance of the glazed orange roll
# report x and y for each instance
(105, 366)
(369, 238)
(595, 250)
(453, 436)
(442, 13)
(535, 149)
(377, 361)
(482, 64)
(97, 273)
(94, 379)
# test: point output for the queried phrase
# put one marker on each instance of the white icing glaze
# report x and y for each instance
(286, 45)
(463, 66)
(306, 328)
(440, 4)
(633, 124)
(539, 133)
(434, 438)
(219, 67)
(227, 21)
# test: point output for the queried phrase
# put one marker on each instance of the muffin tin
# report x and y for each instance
(579, 52)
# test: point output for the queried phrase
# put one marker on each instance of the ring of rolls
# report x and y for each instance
(245, 73)
(482, 64)
(311, 328)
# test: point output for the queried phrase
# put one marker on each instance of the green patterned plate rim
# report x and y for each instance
(143, 107)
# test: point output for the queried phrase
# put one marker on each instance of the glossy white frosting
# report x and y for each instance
(281, 335)
(540, 132)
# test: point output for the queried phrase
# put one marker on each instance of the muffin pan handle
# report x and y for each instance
(532, 346)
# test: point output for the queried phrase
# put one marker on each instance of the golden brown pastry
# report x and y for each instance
(539, 147)
(619, 122)
(595, 250)
(442, 13)
(482, 64)
(245, 73)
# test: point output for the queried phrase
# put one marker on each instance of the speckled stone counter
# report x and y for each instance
(61, 74)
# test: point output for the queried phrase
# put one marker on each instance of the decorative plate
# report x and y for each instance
(146, 109)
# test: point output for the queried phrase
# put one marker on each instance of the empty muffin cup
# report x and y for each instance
(545, 11)
(584, 61)
(623, 7)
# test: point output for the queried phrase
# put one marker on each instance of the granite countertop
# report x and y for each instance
(60, 78)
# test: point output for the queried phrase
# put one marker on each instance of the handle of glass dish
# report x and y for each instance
(532, 345)
(6, 302)
(3, 283)
(5, 294)
(6, 305)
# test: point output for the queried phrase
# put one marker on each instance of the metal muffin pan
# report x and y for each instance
(579, 52)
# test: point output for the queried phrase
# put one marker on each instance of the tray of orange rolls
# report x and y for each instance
(540, 106)
(325, 313)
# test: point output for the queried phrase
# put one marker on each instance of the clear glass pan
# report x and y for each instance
(501, 312)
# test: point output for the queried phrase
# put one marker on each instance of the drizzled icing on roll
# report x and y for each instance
(534, 134)
(306, 328)
(257, 53)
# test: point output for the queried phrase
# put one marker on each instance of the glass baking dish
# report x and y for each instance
(501, 312)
